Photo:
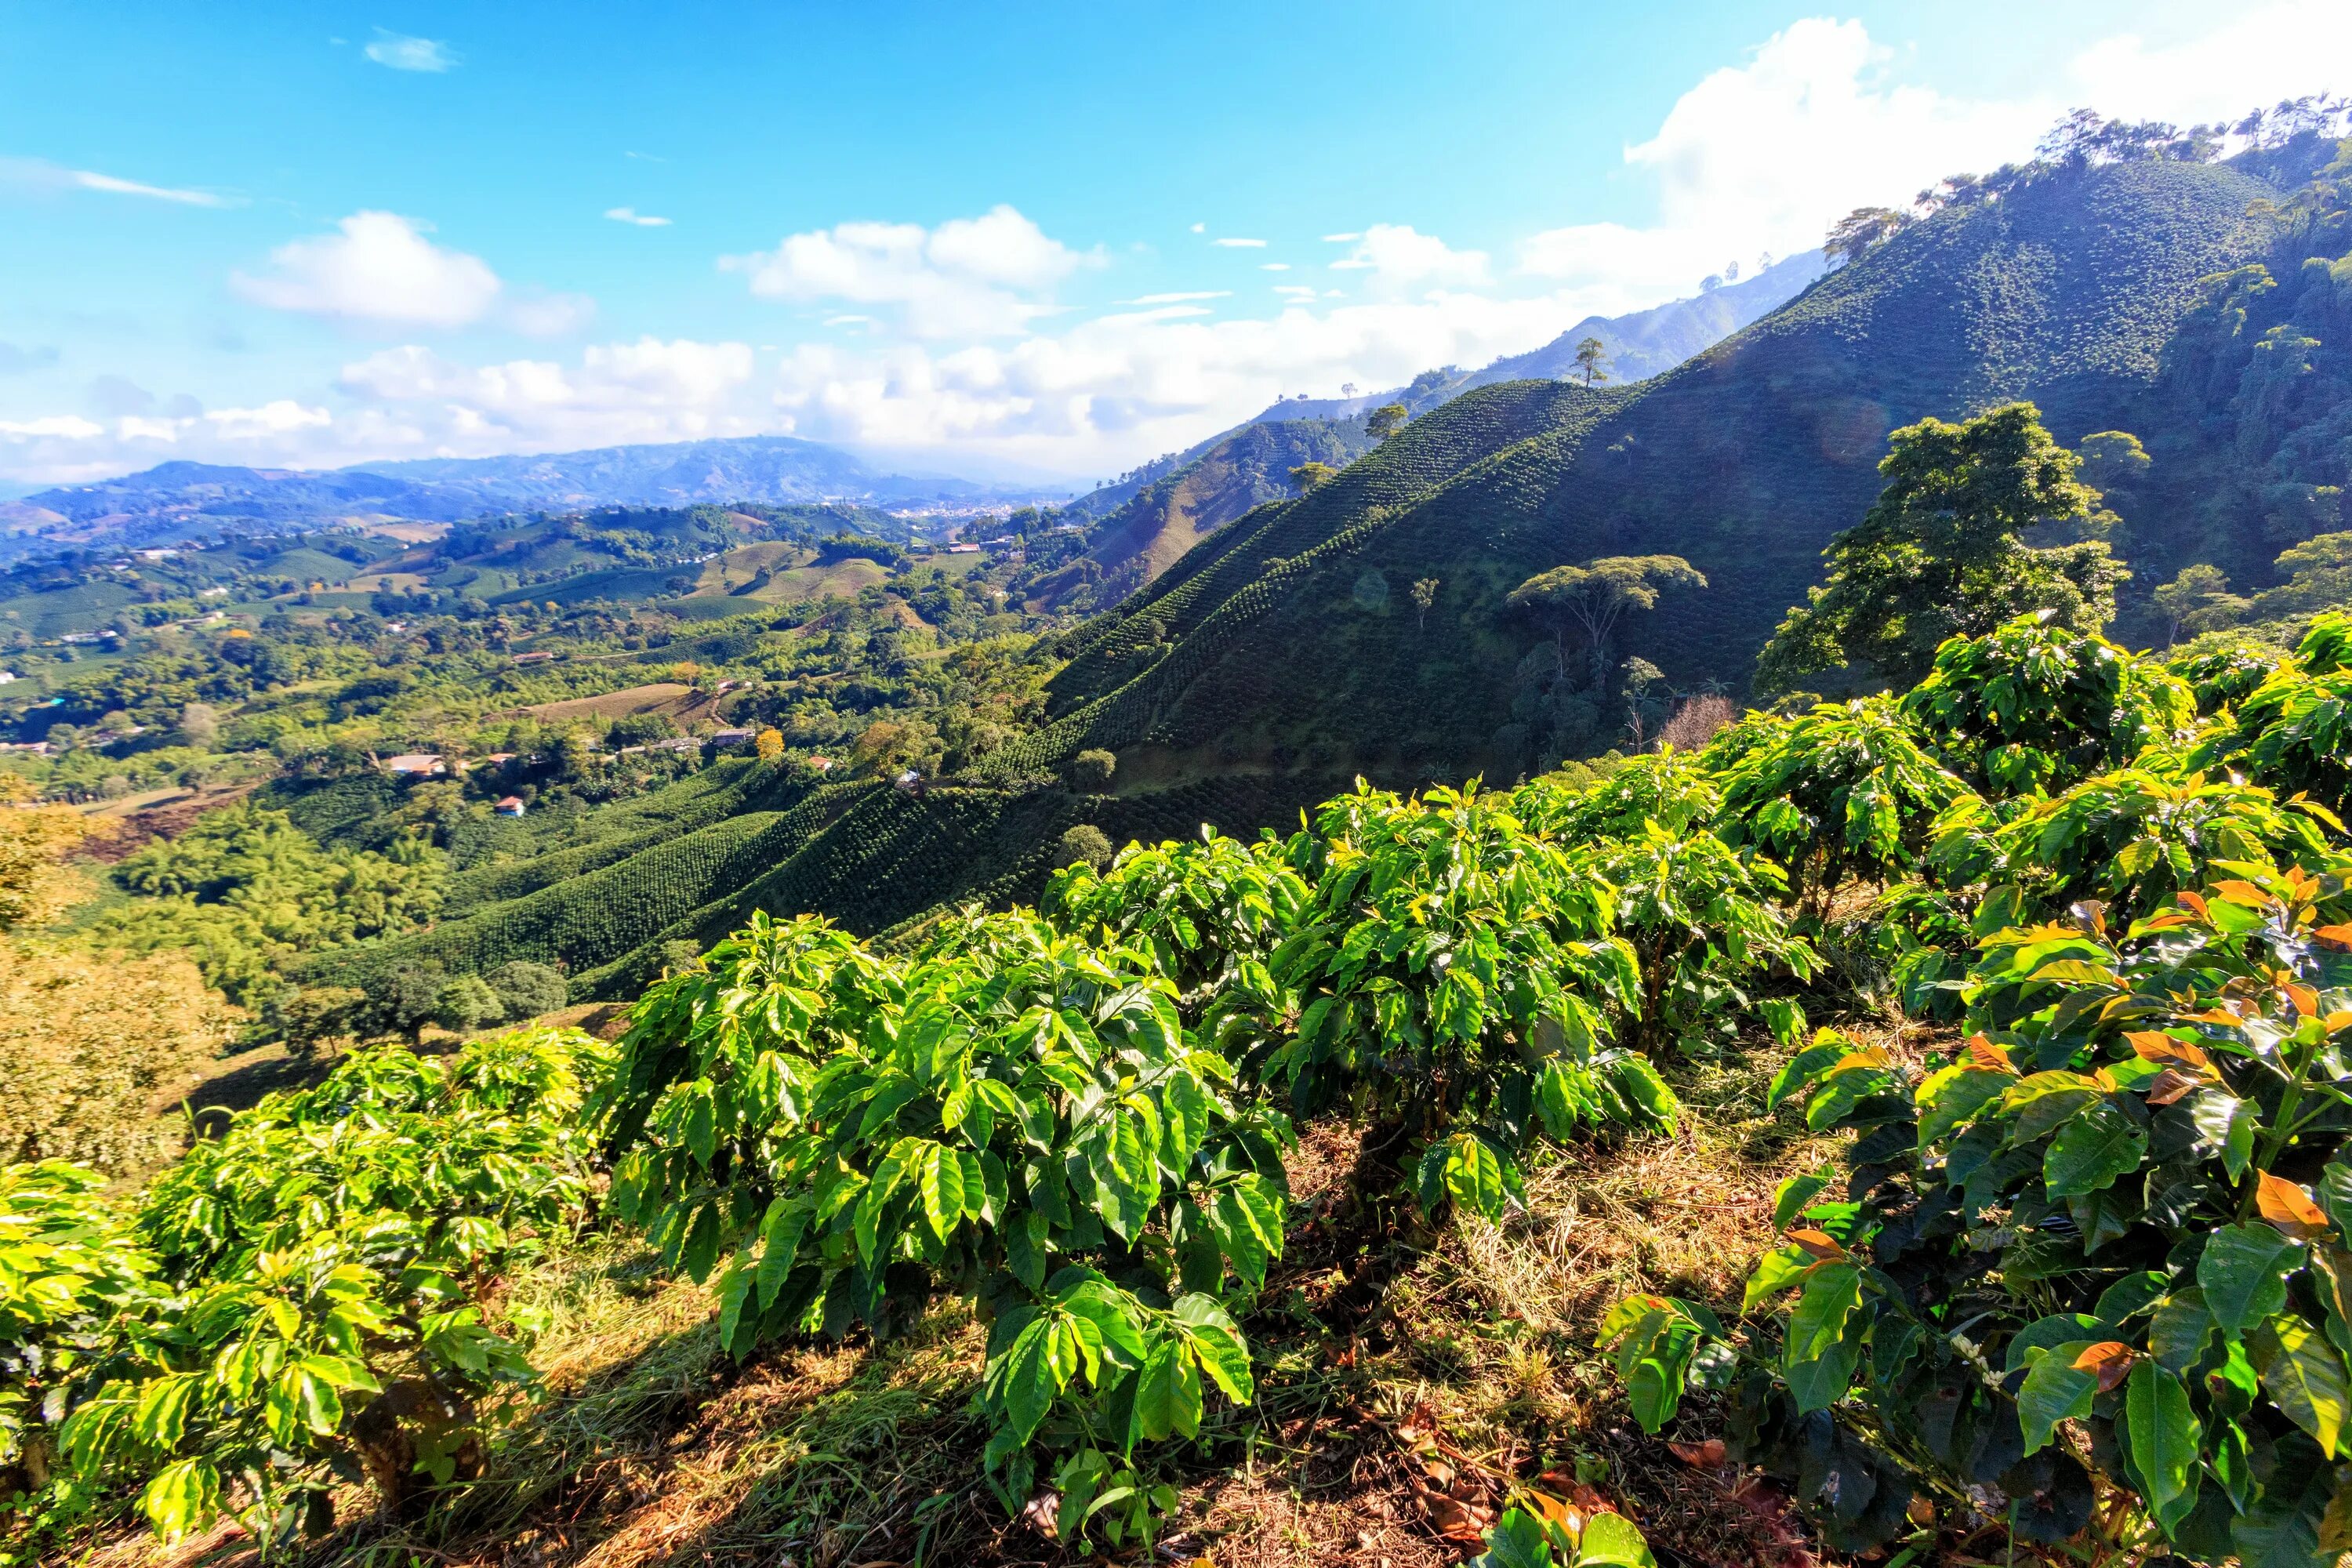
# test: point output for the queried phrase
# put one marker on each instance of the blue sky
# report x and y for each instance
(980, 237)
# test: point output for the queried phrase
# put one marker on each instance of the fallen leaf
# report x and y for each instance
(1708, 1455)
(1038, 1513)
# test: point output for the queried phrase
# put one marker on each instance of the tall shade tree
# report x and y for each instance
(1594, 597)
(2195, 601)
(1942, 553)
(1592, 361)
(1385, 421)
(1311, 475)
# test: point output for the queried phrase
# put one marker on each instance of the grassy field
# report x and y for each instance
(657, 697)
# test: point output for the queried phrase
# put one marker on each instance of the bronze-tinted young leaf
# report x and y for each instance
(2288, 1206)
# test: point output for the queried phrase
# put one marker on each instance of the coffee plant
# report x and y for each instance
(1013, 1115)
(296, 1302)
(1458, 980)
(2107, 1236)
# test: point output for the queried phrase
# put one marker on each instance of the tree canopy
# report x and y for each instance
(1942, 553)
(1594, 596)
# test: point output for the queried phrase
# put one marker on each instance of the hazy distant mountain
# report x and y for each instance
(1640, 346)
(1150, 517)
(181, 500)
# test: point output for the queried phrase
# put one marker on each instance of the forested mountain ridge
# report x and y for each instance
(177, 501)
(2076, 289)
(1146, 521)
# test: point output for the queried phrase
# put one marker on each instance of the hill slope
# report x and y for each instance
(1284, 652)
(1140, 540)
(1275, 642)
(1148, 521)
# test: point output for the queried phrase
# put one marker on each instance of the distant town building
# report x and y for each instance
(963, 547)
(7, 676)
(908, 782)
(533, 658)
(821, 765)
(416, 765)
(510, 806)
(731, 737)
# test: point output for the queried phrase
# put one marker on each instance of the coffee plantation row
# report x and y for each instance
(2083, 1268)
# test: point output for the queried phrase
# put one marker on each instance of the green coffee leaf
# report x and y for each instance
(2304, 1375)
(1610, 1540)
(2164, 1436)
(2243, 1273)
(1167, 1394)
(2054, 1390)
(2093, 1151)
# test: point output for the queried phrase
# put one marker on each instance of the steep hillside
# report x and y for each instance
(1286, 639)
(1651, 343)
(1143, 538)
(1147, 520)
(1292, 648)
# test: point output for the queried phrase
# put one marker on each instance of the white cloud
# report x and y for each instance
(1240, 243)
(72, 426)
(631, 214)
(2255, 55)
(1184, 298)
(402, 53)
(40, 177)
(1341, 238)
(985, 276)
(412, 400)
(1401, 258)
(282, 417)
(1765, 154)
(378, 267)
(1274, 267)
(1200, 228)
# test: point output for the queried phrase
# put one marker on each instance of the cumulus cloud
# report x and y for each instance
(631, 214)
(413, 399)
(2246, 59)
(1240, 243)
(39, 176)
(1763, 155)
(402, 53)
(1399, 258)
(979, 277)
(376, 267)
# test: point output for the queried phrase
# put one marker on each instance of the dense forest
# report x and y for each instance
(1744, 964)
